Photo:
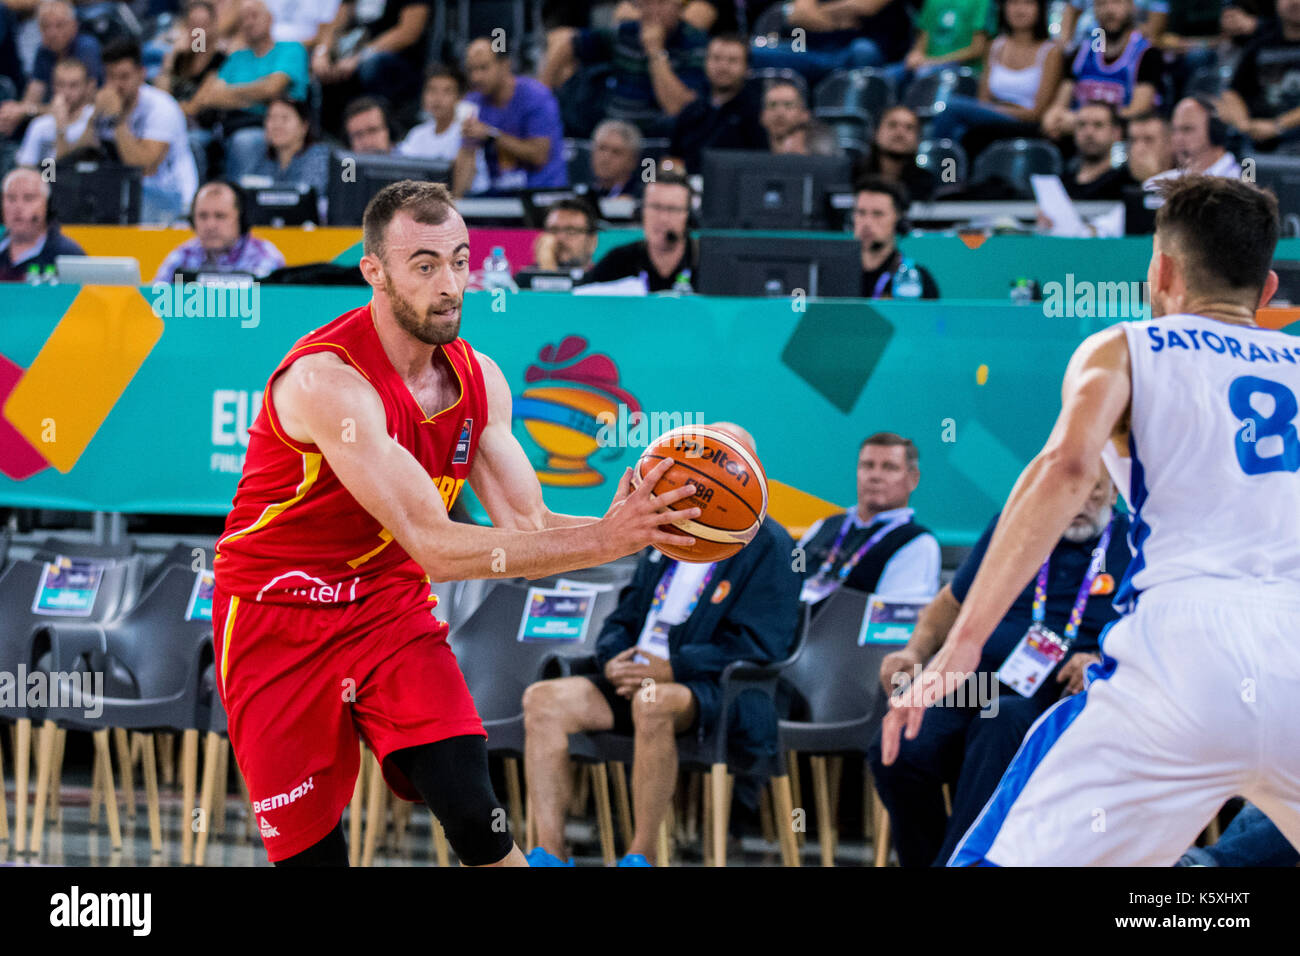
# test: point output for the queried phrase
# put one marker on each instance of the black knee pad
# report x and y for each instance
(452, 776)
(331, 850)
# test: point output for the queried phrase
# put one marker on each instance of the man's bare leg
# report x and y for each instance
(553, 709)
(660, 713)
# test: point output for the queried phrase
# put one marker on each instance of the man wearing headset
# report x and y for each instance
(1199, 138)
(667, 257)
(879, 207)
(30, 238)
(222, 243)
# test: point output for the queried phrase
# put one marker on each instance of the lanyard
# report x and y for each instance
(1076, 613)
(881, 283)
(661, 591)
(847, 568)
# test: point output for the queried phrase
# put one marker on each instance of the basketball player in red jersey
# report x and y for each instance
(323, 624)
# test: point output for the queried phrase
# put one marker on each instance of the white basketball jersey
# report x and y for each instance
(1213, 472)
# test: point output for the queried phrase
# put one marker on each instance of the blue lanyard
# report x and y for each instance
(661, 590)
(847, 568)
(1085, 589)
(881, 283)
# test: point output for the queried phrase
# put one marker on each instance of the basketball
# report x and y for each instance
(730, 489)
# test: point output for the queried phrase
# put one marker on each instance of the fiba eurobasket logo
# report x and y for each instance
(571, 399)
(50, 411)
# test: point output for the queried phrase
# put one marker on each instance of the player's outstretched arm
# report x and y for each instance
(501, 476)
(1046, 497)
(323, 401)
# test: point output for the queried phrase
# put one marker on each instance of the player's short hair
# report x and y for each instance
(1226, 231)
(892, 440)
(426, 203)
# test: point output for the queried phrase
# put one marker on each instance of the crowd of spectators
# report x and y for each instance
(592, 99)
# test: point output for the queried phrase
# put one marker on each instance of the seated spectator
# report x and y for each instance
(219, 245)
(293, 21)
(1195, 149)
(667, 257)
(185, 68)
(11, 65)
(1251, 839)
(30, 239)
(439, 136)
(1189, 32)
(615, 161)
(248, 80)
(145, 128)
(1263, 99)
(1126, 73)
(1022, 71)
(970, 746)
(53, 135)
(60, 38)
(839, 36)
(878, 207)
(1241, 20)
(368, 126)
(727, 117)
(386, 59)
(567, 243)
(657, 63)
(877, 547)
(1090, 174)
(293, 157)
(678, 625)
(949, 33)
(892, 156)
(790, 127)
(1150, 146)
(517, 127)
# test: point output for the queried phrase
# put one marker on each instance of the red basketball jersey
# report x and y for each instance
(295, 534)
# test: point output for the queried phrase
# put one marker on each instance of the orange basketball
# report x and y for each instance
(730, 489)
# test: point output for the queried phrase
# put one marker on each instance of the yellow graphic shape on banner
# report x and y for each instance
(83, 368)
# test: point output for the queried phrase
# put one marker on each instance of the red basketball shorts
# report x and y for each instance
(303, 684)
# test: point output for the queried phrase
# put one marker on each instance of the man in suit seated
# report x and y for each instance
(661, 655)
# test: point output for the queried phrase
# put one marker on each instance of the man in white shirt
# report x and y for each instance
(147, 127)
(439, 137)
(52, 135)
(301, 21)
(1199, 140)
(876, 547)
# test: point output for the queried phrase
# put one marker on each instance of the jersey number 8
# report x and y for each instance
(1257, 427)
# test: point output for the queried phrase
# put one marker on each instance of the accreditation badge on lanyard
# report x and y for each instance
(823, 583)
(1041, 649)
(655, 640)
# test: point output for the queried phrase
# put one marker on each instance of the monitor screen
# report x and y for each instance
(356, 177)
(749, 189)
(732, 263)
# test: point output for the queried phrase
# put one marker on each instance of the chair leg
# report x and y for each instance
(189, 774)
(836, 767)
(766, 813)
(441, 851)
(128, 774)
(514, 795)
(622, 804)
(718, 784)
(706, 819)
(110, 795)
(692, 828)
(881, 817)
(581, 791)
(354, 810)
(167, 758)
(56, 785)
(375, 812)
(44, 770)
(825, 823)
(22, 767)
(4, 801)
(211, 764)
(663, 854)
(796, 792)
(96, 788)
(530, 825)
(604, 819)
(149, 769)
(783, 800)
(223, 784)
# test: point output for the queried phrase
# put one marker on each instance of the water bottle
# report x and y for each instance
(682, 284)
(33, 274)
(1021, 293)
(907, 281)
(51, 276)
(496, 271)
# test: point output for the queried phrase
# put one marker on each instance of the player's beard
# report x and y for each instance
(431, 328)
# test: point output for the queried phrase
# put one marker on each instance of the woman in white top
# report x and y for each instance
(1022, 70)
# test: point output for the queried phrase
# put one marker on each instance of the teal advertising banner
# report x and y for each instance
(975, 384)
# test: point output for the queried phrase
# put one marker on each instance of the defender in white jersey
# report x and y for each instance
(1197, 697)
